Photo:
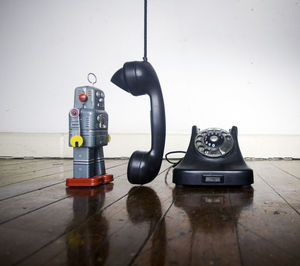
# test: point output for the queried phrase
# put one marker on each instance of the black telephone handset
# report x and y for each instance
(213, 158)
(139, 78)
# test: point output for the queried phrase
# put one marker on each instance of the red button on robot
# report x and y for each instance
(82, 97)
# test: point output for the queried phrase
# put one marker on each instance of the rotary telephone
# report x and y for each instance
(213, 158)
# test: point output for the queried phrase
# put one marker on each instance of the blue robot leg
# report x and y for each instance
(83, 165)
(99, 161)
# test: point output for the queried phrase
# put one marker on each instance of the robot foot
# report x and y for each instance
(89, 182)
(106, 178)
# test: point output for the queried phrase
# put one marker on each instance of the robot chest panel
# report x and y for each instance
(93, 119)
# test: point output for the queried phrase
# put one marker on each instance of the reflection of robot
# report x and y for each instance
(87, 239)
(88, 123)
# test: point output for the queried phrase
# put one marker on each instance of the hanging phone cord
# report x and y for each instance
(146, 59)
(145, 31)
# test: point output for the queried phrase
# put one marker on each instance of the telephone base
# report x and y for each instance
(184, 177)
(204, 166)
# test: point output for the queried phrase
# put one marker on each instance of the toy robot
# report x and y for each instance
(88, 124)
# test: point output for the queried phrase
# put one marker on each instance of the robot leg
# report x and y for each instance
(83, 164)
(99, 161)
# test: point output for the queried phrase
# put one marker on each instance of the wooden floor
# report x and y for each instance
(44, 223)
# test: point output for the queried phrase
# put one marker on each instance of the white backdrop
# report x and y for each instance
(220, 63)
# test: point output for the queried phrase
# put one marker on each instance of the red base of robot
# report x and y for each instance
(89, 182)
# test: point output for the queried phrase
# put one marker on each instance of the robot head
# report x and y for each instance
(89, 97)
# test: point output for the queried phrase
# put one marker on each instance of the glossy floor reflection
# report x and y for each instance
(209, 210)
(144, 206)
(201, 227)
(44, 223)
(88, 244)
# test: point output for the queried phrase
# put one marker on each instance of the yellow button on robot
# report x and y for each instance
(108, 138)
(76, 140)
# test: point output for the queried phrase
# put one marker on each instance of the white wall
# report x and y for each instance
(220, 63)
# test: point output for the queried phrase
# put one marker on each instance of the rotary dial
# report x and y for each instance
(213, 142)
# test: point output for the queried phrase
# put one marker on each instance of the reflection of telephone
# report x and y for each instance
(213, 158)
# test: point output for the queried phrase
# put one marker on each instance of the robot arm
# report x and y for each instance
(74, 128)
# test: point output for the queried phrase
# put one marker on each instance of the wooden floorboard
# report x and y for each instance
(291, 167)
(4, 162)
(23, 204)
(198, 229)
(44, 223)
(111, 223)
(51, 220)
(44, 181)
(31, 174)
(284, 184)
(269, 229)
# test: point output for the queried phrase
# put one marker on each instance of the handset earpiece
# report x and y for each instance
(139, 78)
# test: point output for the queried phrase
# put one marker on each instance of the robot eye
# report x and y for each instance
(83, 97)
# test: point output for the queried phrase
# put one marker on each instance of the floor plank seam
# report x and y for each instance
(32, 166)
(18, 163)
(117, 165)
(279, 168)
(27, 192)
(34, 171)
(278, 193)
(39, 249)
(64, 171)
(268, 241)
(69, 231)
(41, 207)
(22, 181)
(3, 222)
(237, 237)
